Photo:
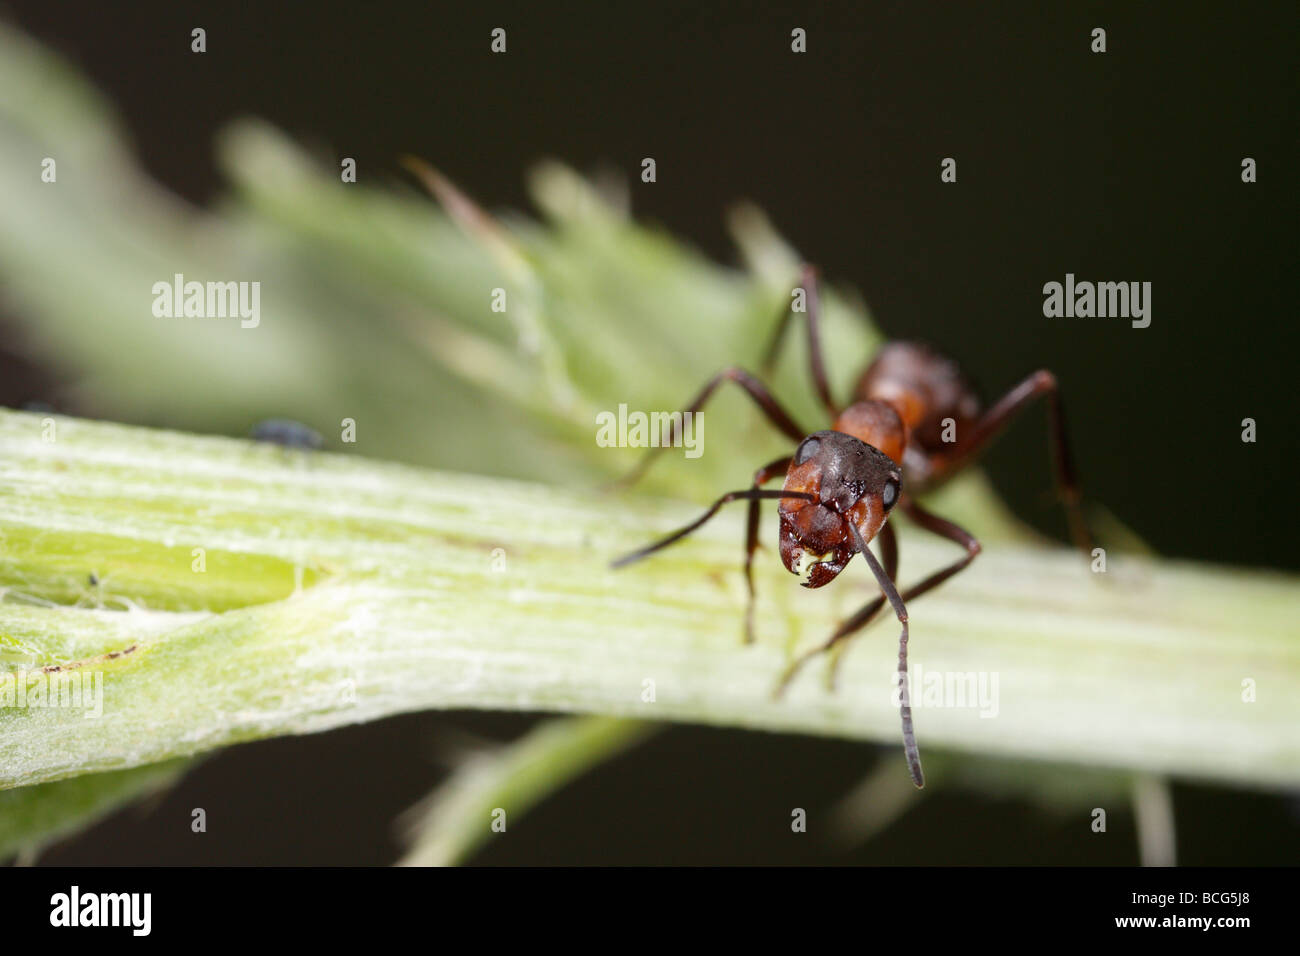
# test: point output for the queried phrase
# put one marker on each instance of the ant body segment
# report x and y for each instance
(842, 484)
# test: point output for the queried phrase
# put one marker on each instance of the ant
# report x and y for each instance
(842, 484)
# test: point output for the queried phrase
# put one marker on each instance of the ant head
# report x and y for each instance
(851, 482)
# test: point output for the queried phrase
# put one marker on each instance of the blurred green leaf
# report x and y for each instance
(31, 818)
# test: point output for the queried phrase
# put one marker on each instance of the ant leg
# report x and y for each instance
(930, 522)
(765, 474)
(995, 419)
(730, 496)
(935, 525)
(808, 276)
(753, 388)
(889, 550)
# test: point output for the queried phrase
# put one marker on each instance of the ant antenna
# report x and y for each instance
(747, 495)
(905, 699)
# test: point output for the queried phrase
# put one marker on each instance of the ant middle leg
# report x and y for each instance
(930, 522)
(935, 525)
(755, 389)
(808, 276)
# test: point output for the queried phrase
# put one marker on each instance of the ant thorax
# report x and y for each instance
(875, 423)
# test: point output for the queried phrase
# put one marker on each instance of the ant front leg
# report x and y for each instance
(996, 418)
(765, 474)
(752, 387)
(889, 550)
(808, 277)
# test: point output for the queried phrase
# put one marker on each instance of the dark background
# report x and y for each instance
(1120, 166)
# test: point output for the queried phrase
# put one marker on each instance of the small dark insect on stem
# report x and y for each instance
(287, 434)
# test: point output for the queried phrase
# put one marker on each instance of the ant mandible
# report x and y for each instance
(841, 484)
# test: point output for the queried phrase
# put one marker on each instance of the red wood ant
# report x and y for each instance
(842, 484)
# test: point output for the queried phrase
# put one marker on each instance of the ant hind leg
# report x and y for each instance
(1008, 407)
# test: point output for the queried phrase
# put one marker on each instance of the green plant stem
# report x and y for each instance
(340, 590)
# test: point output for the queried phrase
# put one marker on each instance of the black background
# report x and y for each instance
(1120, 166)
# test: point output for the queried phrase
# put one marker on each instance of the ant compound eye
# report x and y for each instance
(890, 495)
(809, 448)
